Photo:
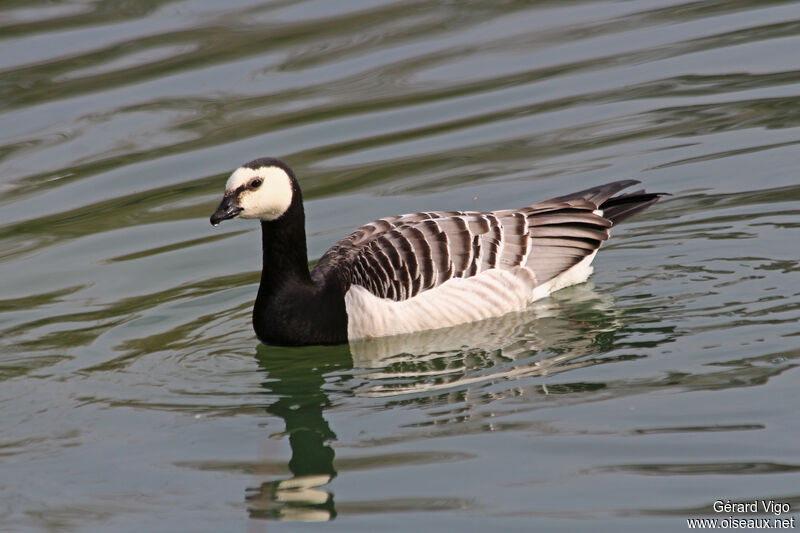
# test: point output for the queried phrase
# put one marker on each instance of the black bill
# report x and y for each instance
(226, 209)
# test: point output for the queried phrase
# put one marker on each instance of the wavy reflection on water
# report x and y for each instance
(576, 323)
(565, 333)
(461, 375)
(130, 396)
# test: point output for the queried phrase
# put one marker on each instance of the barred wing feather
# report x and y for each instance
(400, 257)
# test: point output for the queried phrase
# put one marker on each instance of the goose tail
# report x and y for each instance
(616, 208)
(624, 206)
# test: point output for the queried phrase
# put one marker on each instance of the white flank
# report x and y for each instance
(267, 202)
(572, 276)
(491, 293)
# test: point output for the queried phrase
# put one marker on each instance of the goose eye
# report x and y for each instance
(256, 183)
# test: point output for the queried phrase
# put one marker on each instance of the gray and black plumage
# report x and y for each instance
(417, 271)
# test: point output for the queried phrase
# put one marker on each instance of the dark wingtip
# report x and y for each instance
(599, 194)
(624, 206)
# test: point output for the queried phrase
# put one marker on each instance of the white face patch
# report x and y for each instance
(267, 202)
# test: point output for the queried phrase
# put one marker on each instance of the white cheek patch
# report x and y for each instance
(270, 200)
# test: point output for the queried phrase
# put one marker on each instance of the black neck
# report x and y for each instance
(290, 307)
(284, 253)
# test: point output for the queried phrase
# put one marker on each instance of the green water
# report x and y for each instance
(134, 395)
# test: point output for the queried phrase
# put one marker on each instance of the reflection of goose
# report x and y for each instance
(497, 348)
(295, 384)
(564, 332)
(414, 272)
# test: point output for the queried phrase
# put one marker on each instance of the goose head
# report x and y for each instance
(262, 189)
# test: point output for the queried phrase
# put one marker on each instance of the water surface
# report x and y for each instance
(134, 394)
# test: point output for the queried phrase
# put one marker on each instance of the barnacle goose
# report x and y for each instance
(419, 271)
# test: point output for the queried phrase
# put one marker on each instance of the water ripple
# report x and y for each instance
(129, 370)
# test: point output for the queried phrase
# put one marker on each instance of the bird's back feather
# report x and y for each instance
(399, 257)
